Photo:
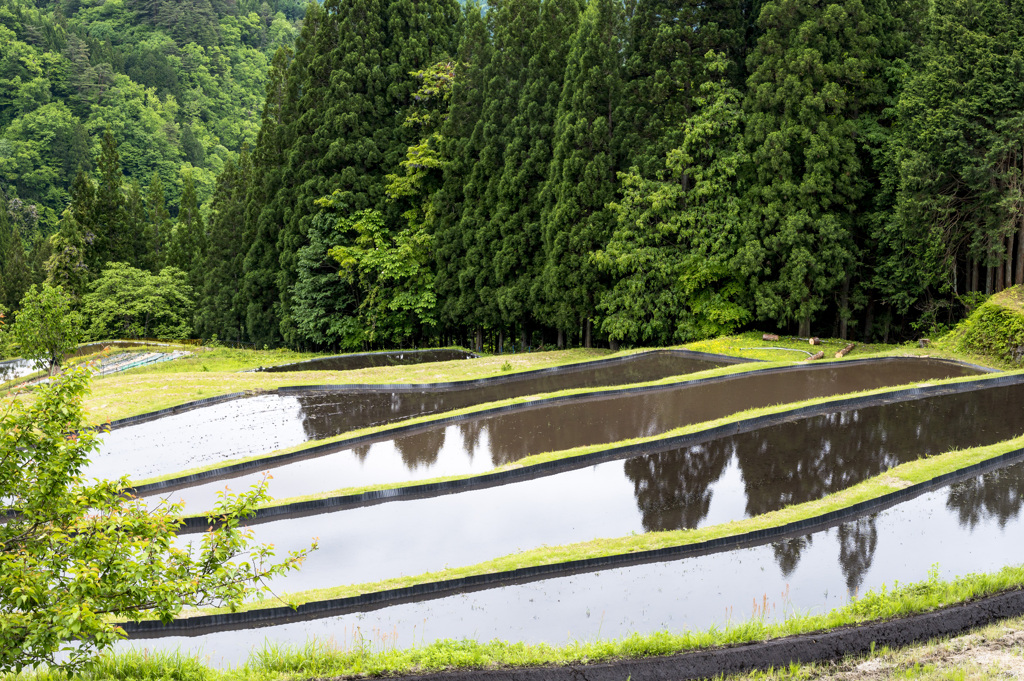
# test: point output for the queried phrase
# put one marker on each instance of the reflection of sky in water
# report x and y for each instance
(902, 544)
(202, 436)
(16, 368)
(415, 457)
(779, 465)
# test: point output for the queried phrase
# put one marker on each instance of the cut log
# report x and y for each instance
(820, 355)
(769, 337)
(814, 340)
(924, 342)
(844, 351)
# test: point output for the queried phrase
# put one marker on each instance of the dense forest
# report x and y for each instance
(375, 173)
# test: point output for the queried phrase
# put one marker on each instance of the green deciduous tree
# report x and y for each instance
(673, 254)
(79, 556)
(46, 328)
(125, 302)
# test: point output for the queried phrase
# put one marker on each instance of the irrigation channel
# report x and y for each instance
(367, 360)
(291, 416)
(476, 443)
(973, 525)
(717, 481)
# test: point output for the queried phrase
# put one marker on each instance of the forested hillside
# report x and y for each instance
(556, 171)
(178, 85)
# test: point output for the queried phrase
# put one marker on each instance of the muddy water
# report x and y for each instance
(93, 348)
(969, 527)
(479, 444)
(261, 424)
(331, 413)
(366, 360)
(727, 479)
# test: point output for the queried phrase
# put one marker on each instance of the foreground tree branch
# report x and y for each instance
(79, 555)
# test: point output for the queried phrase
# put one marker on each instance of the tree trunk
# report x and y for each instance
(1019, 275)
(501, 342)
(869, 321)
(613, 345)
(805, 327)
(844, 308)
(974, 275)
(1008, 271)
(561, 339)
(586, 333)
(522, 337)
(988, 280)
(479, 339)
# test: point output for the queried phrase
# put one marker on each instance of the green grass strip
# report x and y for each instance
(374, 653)
(897, 478)
(561, 455)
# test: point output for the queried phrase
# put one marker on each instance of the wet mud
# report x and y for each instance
(93, 348)
(254, 425)
(478, 444)
(970, 526)
(727, 479)
(367, 360)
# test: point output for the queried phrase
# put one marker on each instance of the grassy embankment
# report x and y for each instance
(375, 655)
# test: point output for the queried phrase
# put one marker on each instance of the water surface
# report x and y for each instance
(723, 480)
(970, 527)
(475, 445)
(264, 423)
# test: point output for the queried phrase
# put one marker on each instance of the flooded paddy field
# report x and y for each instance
(11, 369)
(476, 444)
(726, 479)
(367, 360)
(971, 526)
(259, 424)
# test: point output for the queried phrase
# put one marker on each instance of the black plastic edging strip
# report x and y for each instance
(192, 626)
(725, 360)
(513, 475)
(776, 653)
(408, 387)
(382, 353)
(169, 411)
(234, 470)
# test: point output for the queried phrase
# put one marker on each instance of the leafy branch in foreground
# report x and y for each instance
(79, 555)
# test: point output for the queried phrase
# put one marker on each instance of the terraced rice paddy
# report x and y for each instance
(715, 479)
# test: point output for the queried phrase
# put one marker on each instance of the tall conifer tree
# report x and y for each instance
(349, 90)
(460, 144)
(518, 260)
(264, 212)
(958, 157)
(816, 87)
(221, 308)
(582, 178)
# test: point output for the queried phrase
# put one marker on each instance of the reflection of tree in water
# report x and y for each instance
(787, 552)
(672, 488)
(471, 431)
(361, 451)
(804, 460)
(997, 494)
(421, 449)
(858, 540)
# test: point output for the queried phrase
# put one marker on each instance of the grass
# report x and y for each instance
(361, 655)
(212, 372)
(545, 457)
(894, 479)
(172, 383)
